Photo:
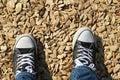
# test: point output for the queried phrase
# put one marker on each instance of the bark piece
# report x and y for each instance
(18, 8)
(3, 48)
(116, 68)
(114, 47)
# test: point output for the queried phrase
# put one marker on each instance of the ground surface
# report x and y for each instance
(53, 24)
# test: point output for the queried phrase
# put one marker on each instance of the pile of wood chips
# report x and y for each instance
(53, 23)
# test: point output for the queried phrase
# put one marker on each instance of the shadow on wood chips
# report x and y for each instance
(99, 60)
(42, 67)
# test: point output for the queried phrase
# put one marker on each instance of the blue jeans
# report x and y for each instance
(79, 73)
(83, 73)
(25, 76)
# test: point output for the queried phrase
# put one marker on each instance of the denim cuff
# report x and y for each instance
(25, 76)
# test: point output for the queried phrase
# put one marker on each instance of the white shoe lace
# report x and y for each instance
(84, 57)
(22, 61)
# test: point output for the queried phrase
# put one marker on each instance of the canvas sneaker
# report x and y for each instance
(83, 48)
(24, 53)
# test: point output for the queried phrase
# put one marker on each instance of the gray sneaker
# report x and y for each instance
(83, 48)
(24, 53)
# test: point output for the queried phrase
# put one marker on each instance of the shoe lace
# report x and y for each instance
(84, 56)
(25, 62)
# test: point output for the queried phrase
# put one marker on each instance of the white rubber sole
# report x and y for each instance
(77, 34)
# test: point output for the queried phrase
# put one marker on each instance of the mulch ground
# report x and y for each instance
(53, 24)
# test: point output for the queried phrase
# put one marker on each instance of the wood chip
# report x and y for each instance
(3, 48)
(114, 47)
(18, 8)
(117, 68)
(109, 56)
(53, 24)
(118, 0)
(11, 5)
(117, 13)
(113, 20)
(61, 56)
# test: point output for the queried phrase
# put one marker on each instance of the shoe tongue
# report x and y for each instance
(25, 50)
(87, 45)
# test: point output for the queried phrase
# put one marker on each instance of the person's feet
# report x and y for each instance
(83, 48)
(24, 53)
